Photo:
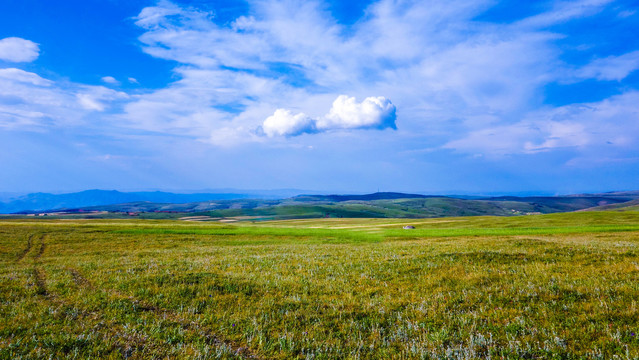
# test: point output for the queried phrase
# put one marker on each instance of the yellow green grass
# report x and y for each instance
(554, 286)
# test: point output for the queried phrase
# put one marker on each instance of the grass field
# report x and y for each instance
(561, 286)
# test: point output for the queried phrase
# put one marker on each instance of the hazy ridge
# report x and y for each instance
(377, 205)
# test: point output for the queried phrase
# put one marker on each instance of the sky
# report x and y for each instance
(440, 97)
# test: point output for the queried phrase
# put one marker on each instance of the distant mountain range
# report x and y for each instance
(381, 204)
(44, 201)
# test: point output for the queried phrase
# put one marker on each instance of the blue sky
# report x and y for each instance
(470, 96)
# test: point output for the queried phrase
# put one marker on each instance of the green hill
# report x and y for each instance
(377, 205)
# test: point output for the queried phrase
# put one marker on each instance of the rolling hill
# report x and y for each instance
(159, 205)
(632, 205)
(88, 198)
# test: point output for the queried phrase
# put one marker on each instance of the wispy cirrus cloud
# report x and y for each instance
(563, 11)
(110, 80)
(610, 68)
(473, 85)
(591, 127)
(454, 80)
(295, 55)
(434, 59)
(29, 101)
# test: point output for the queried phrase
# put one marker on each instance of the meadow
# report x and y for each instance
(560, 286)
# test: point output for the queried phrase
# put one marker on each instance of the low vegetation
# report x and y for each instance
(377, 205)
(561, 286)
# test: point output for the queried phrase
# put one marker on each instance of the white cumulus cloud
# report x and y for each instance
(346, 113)
(284, 123)
(16, 49)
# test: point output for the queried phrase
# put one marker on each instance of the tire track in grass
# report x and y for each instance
(41, 282)
(42, 248)
(130, 343)
(80, 280)
(126, 346)
(26, 250)
(211, 337)
(38, 273)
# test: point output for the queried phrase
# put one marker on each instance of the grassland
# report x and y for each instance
(561, 286)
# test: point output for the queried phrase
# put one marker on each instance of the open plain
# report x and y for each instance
(543, 286)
